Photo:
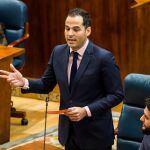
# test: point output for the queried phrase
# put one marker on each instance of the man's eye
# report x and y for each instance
(76, 30)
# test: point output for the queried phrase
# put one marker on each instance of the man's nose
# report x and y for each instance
(70, 32)
(142, 118)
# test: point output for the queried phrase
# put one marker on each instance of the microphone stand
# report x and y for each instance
(46, 100)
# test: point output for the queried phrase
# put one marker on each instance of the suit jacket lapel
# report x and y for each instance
(65, 58)
(83, 65)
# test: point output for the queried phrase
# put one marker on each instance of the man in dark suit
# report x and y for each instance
(146, 126)
(89, 83)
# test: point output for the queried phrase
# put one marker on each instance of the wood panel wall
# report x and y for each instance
(114, 27)
(138, 39)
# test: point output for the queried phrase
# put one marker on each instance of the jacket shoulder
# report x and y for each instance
(60, 47)
(102, 52)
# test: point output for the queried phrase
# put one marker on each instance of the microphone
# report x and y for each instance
(46, 101)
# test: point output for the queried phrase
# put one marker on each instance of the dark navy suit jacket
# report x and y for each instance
(97, 85)
(145, 143)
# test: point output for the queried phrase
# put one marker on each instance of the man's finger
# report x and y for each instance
(10, 79)
(13, 68)
(74, 119)
(13, 81)
(4, 72)
(4, 76)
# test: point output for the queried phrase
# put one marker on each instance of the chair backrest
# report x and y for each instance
(136, 89)
(13, 14)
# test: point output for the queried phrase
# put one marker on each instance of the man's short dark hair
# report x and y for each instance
(83, 13)
(147, 103)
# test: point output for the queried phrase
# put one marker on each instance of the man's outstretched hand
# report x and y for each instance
(14, 78)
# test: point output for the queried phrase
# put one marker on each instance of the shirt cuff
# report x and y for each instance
(26, 84)
(88, 111)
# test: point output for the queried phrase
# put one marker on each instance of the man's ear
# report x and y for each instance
(88, 31)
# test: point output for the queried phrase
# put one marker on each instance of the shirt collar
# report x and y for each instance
(82, 49)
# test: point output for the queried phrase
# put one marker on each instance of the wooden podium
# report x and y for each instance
(6, 55)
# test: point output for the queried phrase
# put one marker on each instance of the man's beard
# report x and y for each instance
(146, 131)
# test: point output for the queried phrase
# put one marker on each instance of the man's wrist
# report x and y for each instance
(88, 111)
(26, 84)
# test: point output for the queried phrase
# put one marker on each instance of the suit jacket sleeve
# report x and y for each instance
(46, 83)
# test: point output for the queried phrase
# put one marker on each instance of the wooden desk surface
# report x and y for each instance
(10, 51)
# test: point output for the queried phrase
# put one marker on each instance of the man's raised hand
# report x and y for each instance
(14, 78)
